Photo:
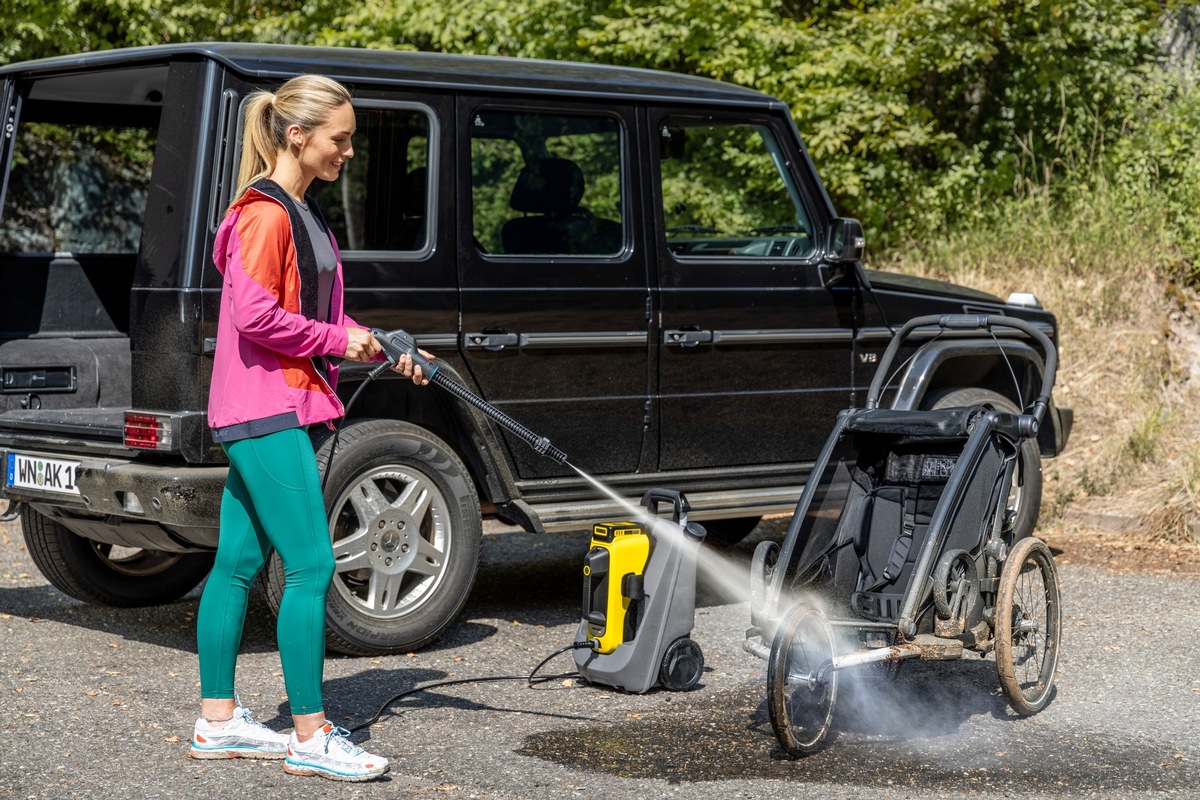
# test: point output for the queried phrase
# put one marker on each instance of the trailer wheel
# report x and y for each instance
(955, 586)
(801, 684)
(1028, 626)
(762, 568)
(406, 528)
(106, 574)
(1025, 495)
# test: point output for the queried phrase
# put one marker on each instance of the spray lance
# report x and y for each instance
(399, 342)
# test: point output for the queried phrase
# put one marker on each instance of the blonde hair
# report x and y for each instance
(306, 100)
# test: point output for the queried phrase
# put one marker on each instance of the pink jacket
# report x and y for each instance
(263, 368)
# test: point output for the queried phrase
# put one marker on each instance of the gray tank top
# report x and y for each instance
(326, 260)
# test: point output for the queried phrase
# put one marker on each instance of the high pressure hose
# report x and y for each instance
(399, 342)
(395, 344)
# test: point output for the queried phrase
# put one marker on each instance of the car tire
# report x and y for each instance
(1027, 489)
(406, 529)
(105, 574)
(728, 532)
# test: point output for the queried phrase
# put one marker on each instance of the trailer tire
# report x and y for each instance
(406, 528)
(1028, 626)
(801, 684)
(107, 575)
(762, 569)
(1027, 488)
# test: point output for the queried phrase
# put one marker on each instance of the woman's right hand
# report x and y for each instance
(360, 345)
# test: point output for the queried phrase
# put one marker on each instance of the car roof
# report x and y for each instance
(358, 66)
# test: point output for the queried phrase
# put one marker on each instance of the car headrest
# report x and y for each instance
(412, 197)
(548, 186)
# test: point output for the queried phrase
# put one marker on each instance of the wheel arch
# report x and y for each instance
(940, 367)
(474, 438)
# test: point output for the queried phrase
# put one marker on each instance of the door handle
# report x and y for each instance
(687, 338)
(492, 341)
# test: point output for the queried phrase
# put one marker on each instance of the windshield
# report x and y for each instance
(726, 190)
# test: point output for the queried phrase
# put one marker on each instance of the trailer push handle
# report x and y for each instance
(974, 322)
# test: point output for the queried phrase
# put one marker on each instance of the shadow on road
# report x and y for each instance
(534, 579)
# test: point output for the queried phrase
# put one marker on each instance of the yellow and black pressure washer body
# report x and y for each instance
(639, 601)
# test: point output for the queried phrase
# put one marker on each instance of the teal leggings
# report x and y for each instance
(272, 499)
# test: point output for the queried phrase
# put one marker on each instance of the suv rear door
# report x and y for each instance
(751, 342)
(553, 277)
(77, 165)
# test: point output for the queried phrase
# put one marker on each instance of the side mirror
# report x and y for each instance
(846, 241)
(843, 248)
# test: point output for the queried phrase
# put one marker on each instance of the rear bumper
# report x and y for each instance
(161, 507)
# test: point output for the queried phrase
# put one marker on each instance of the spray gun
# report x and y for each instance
(399, 342)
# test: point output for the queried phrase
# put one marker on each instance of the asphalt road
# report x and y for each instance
(100, 703)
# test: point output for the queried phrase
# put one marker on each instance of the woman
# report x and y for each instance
(281, 316)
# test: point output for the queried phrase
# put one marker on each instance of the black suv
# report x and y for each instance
(642, 267)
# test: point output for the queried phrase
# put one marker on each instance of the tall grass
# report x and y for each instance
(1106, 263)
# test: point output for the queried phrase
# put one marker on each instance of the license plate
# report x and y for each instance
(40, 473)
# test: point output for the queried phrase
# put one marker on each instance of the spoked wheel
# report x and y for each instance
(1028, 626)
(801, 685)
(955, 586)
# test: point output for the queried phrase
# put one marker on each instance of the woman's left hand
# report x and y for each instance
(408, 369)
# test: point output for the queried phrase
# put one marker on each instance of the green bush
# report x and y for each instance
(921, 114)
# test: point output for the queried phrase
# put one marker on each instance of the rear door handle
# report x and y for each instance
(687, 338)
(492, 341)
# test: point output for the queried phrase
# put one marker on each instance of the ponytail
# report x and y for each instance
(306, 100)
(259, 151)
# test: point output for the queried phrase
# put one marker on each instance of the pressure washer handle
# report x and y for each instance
(400, 342)
(676, 498)
(680, 505)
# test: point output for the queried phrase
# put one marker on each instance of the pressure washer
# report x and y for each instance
(639, 601)
(639, 606)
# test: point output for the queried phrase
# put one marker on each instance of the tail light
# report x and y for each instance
(147, 431)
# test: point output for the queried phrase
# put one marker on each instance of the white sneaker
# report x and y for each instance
(241, 737)
(331, 755)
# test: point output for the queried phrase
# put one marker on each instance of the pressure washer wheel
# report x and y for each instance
(801, 683)
(682, 664)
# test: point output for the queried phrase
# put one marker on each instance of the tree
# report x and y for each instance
(920, 113)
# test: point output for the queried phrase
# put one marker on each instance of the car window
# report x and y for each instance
(76, 186)
(546, 184)
(726, 191)
(383, 197)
